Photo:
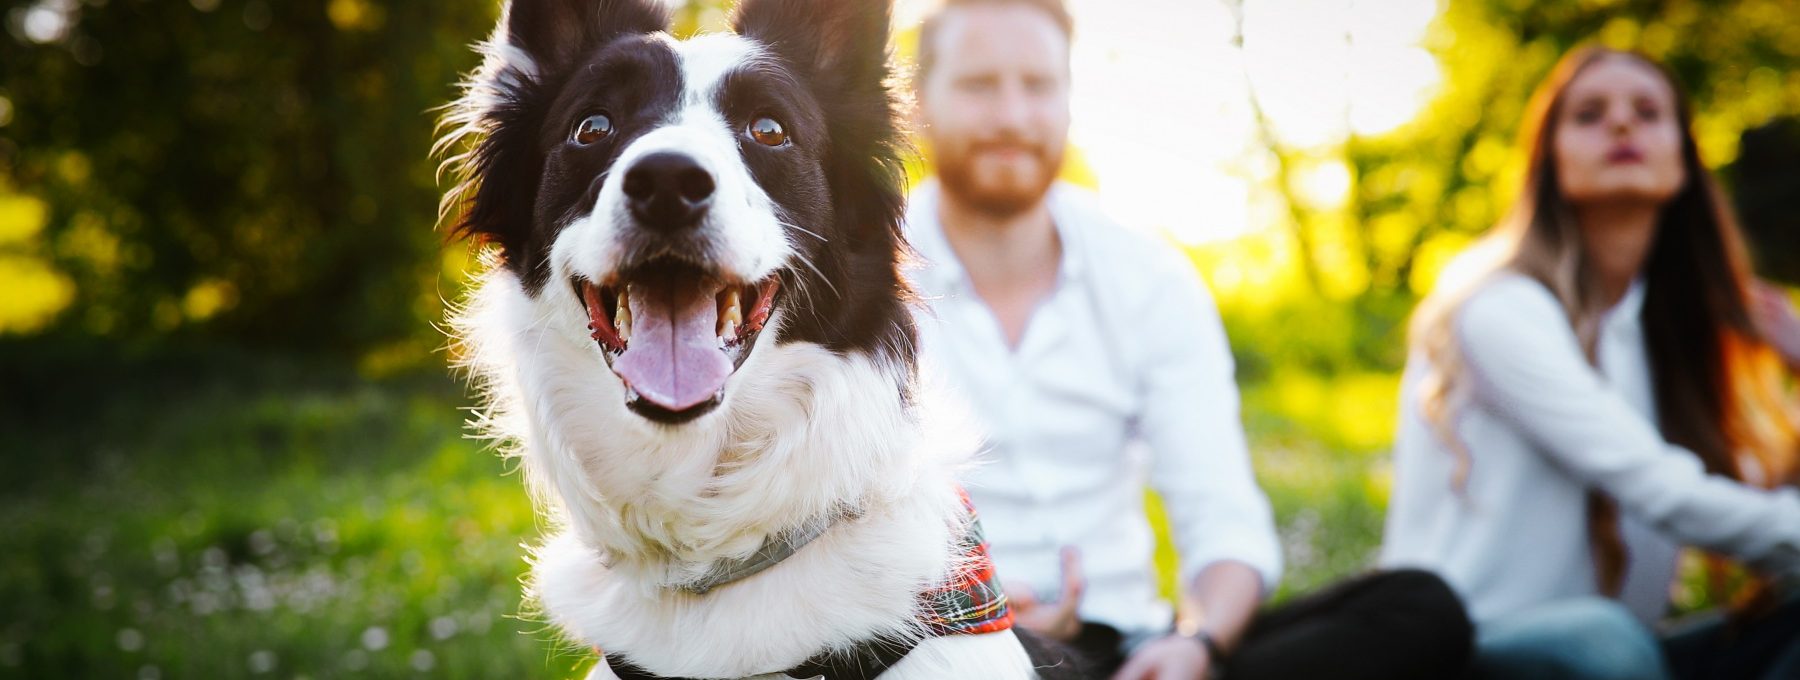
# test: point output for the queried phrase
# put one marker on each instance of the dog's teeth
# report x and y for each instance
(731, 318)
(733, 310)
(622, 320)
(631, 394)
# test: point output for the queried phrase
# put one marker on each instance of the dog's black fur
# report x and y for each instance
(839, 187)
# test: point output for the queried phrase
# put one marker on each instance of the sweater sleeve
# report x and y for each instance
(1528, 368)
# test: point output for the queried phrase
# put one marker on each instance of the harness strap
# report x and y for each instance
(865, 661)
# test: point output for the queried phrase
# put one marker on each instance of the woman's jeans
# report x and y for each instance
(1584, 639)
(1598, 639)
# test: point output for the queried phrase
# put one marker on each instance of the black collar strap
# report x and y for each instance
(866, 661)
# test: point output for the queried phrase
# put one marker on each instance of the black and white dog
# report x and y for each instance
(695, 331)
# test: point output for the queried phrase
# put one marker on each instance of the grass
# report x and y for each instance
(279, 518)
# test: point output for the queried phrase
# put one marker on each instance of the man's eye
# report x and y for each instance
(977, 85)
(592, 129)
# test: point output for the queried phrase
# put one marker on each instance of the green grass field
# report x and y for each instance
(278, 518)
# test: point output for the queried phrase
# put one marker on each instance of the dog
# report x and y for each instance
(694, 329)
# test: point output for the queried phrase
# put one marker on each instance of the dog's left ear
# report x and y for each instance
(834, 40)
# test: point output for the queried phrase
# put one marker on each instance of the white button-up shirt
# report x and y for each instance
(1127, 348)
(1542, 426)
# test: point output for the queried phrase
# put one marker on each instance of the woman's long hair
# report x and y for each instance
(1719, 386)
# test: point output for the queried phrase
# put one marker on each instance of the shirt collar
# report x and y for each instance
(1629, 308)
(939, 271)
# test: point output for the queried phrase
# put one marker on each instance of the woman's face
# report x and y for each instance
(1618, 136)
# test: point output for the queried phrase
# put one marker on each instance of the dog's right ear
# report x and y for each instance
(489, 141)
(555, 33)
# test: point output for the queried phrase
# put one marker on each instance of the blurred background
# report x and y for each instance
(232, 442)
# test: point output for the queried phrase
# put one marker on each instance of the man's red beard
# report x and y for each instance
(1006, 197)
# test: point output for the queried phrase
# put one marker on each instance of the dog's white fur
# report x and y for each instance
(641, 507)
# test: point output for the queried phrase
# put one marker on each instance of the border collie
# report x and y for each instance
(694, 330)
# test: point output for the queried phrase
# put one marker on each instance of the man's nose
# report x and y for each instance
(1013, 106)
(668, 191)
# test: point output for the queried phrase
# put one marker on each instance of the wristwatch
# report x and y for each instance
(1213, 650)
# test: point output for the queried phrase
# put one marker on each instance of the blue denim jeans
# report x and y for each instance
(1583, 639)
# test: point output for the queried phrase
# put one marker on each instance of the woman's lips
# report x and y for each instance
(1624, 154)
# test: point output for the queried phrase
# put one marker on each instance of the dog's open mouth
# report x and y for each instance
(674, 333)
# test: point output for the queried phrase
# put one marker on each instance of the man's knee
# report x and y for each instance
(1424, 602)
(1430, 613)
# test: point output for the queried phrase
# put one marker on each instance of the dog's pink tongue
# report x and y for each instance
(673, 357)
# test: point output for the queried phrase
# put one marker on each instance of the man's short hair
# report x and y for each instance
(934, 23)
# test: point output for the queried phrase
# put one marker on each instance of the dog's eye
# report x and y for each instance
(767, 132)
(592, 129)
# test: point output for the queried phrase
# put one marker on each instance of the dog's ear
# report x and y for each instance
(555, 33)
(840, 50)
(837, 40)
(490, 134)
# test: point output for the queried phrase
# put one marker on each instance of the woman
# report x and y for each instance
(1588, 391)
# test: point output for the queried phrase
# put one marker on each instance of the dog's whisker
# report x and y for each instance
(801, 229)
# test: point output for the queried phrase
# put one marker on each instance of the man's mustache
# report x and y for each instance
(1032, 148)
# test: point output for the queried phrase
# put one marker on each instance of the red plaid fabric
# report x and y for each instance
(971, 603)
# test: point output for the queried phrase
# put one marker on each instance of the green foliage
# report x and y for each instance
(261, 517)
(239, 168)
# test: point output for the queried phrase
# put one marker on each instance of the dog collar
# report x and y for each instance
(773, 550)
(968, 603)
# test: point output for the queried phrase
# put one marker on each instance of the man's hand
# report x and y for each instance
(1775, 317)
(1171, 658)
(1059, 620)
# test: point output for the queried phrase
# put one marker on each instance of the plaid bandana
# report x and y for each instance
(971, 602)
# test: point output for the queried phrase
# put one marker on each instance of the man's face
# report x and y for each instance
(995, 107)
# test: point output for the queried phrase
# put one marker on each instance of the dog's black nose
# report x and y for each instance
(667, 190)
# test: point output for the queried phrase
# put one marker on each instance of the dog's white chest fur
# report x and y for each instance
(642, 507)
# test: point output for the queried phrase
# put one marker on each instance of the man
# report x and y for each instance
(1072, 338)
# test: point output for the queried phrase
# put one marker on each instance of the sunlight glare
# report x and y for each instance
(1163, 111)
